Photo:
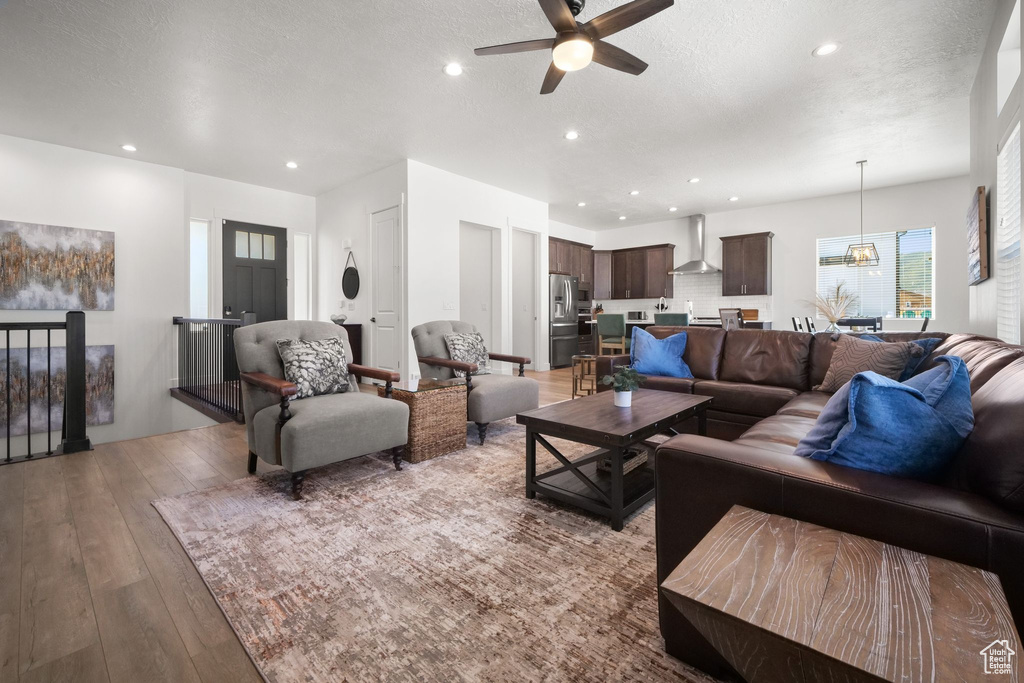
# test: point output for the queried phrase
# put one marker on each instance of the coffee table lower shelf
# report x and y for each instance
(562, 484)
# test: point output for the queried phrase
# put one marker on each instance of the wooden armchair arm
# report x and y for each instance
(281, 387)
(521, 361)
(374, 373)
(447, 363)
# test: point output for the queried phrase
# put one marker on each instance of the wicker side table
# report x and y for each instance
(437, 416)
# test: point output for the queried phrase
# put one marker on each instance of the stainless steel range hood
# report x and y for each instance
(698, 245)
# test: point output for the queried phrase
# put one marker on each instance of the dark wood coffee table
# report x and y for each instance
(787, 601)
(597, 421)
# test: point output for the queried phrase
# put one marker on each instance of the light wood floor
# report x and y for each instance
(94, 586)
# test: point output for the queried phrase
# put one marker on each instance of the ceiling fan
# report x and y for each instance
(576, 45)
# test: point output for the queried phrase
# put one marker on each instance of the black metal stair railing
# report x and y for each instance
(18, 393)
(207, 368)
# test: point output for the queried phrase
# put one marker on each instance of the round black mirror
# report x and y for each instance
(350, 278)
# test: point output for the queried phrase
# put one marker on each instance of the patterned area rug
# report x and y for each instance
(441, 572)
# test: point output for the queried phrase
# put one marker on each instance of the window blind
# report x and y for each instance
(1008, 261)
(900, 286)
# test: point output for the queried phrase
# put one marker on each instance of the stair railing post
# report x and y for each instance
(73, 431)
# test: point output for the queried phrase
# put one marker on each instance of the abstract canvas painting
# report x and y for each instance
(977, 239)
(52, 268)
(99, 388)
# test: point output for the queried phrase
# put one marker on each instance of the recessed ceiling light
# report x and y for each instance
(622, 218)
(693, 180)
(128, 148)
(673, 209)
(292, 165)
(734, 199)
(634, 192)
(825, 50)
(571, 135)
(582, 204)
(453, 69)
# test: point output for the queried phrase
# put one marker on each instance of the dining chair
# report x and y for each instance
(611, 333)
(797, 327)
(810, 325)
(732, 318)
(924, 325)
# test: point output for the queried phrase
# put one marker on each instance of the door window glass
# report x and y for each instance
(255, 245)
(268, 247)
(241, 244)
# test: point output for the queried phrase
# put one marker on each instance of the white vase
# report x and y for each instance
(623, 399)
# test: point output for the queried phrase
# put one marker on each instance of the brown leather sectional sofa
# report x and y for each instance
(760, 382)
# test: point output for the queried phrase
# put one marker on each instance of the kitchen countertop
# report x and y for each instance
(707, 323)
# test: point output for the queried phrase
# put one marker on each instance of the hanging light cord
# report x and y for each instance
(861, 164)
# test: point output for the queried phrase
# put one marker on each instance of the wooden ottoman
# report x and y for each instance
(437, 416)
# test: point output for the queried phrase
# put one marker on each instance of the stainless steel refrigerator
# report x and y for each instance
(564, 312)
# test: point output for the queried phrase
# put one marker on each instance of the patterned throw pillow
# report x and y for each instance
(853, 355)
(316, 367)
(468, 347)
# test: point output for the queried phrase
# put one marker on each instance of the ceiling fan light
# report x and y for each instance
(573, 54)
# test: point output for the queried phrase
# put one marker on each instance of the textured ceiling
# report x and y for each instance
(234, 88)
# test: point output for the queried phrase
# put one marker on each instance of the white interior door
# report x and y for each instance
(524, 294)
(385, 321)
(479, 247)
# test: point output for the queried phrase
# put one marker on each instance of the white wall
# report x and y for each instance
(143, 204)
(797, 225)
(987, 130)
(147, 207)
(479, 264)
(437, 202)
(343, 217)
(571, 232)
(527, 276)
(216, 200)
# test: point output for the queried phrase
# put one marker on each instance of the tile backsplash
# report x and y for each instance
(705, 291)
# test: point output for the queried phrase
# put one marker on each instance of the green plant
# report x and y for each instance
(624, 379)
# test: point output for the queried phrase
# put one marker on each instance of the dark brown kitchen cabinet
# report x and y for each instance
(586, 255)
(659, 281)
(602, 275)
(747, 264)
(571, 258)
(620, 274)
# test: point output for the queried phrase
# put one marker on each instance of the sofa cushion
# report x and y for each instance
(747, 399)
(992, 459)
(703, 354)
(855, 355)
(656, 357)
(927, 345)
(682, 385)
(984, 356)
(774, 358)
(330, 428)
(808, 404)
(495, 397)
(780, 433)
(901, 429)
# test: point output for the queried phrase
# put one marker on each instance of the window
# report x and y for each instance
(198, 269)
(1007, 242)
(303, 271)
(900, 286)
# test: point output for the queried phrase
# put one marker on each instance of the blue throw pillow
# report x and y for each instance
(928, 345)
(658, 357)
(910, 430)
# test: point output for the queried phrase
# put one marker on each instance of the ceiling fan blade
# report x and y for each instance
(558, 14)
(551, 79)
(523, 46)
(613, 57)
(623, 17)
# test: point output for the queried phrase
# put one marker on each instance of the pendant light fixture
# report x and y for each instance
(863, 254)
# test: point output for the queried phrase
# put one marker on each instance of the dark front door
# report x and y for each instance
(255, 271)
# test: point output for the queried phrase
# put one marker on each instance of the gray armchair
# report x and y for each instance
(491, 397)
(320, 430)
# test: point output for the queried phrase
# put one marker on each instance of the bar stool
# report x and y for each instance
(611, 333)
(584, 375)
(672, 319)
